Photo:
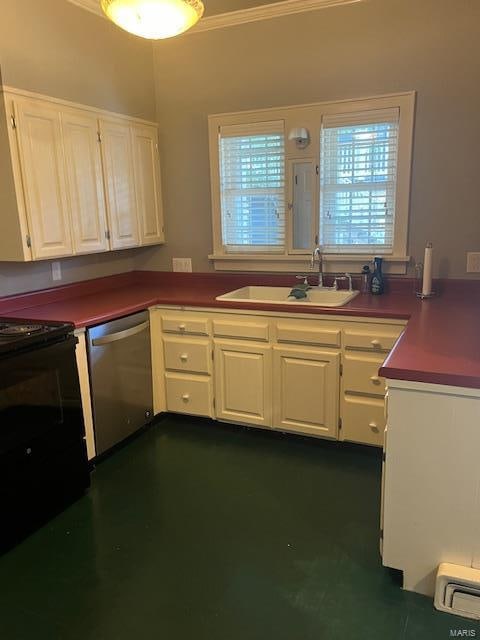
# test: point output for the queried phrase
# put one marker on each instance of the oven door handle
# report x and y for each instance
(120, 335)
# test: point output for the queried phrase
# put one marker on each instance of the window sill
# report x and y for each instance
(300, 263)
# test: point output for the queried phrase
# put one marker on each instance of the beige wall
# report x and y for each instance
(370, 48)
(56, 48)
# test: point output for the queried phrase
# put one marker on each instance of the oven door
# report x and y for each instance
(43, 462)
(40, 393)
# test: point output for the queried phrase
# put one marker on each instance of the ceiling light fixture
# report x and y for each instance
(154, 19)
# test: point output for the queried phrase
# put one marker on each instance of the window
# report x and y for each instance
(349, 188)
(358, 162)
(252, 187)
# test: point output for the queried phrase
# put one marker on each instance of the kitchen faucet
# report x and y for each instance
(317, 253)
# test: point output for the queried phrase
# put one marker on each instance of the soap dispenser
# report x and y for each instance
(365, 279)
(377, 283)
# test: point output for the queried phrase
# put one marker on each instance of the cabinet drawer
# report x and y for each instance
(185, 325)
(360, 374)
(246, 330)
(189, 394)
(371, 340)
(307, 333)
(363, 420)
(183, 354)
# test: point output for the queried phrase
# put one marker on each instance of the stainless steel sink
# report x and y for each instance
(316, 297)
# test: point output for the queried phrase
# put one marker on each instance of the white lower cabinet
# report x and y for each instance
(305, 391)
(192, 355)
(243, 382)
(363, 420)
(189, 393)
(361, 374)
(431, 501)
(280, 371)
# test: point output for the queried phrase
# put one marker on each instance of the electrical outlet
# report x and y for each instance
(473, 262)
(182, 264)
(56, 271)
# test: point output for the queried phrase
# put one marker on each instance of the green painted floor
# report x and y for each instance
(197, 531)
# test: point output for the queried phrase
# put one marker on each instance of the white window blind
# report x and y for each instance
(252, 187)
(358, 173)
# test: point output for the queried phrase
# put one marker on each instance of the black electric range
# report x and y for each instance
(43, 459)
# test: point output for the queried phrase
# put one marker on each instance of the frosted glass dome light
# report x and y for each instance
(154, 19)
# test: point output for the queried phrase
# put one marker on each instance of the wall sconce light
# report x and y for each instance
(301, 137)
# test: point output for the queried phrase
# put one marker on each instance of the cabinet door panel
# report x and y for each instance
(147, 184)
(44, 179)
(120, 183)
(188, 354)
(189, 394)
(305, 394)
(363, 419)
(373, 338)
(360, 374)
(85, 182)
(243, 382)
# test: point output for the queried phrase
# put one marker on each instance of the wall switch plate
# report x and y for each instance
(182, 264)
(473, 262)
(56, 271)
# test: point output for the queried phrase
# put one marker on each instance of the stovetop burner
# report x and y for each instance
(26, 333)
(19, 329)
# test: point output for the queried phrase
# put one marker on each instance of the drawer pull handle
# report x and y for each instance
(375, 379)
(184, 357)
(186, 397)
(182, 327)
(375, 343)
(373, 426)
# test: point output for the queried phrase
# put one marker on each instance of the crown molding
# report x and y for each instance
(264, 12)
(89, 5)
(242, 16)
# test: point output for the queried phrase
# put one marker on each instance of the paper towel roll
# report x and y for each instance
(427, 270)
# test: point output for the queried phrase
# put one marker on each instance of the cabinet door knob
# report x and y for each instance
(182, 327)
(184, 357)
(375, 379)
(186, 397)
(373, 426)
(375, 343)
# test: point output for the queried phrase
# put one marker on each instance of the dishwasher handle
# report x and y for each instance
(120, 335)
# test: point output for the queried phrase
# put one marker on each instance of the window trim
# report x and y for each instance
(310, 116)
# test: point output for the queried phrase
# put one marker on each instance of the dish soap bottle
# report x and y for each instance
(377, 283)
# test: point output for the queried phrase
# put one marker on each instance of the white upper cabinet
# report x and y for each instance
(42, 163)
(119, 174)
(75, 179)
(85, 183)
(147, 183)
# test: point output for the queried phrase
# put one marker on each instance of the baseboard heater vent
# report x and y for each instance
(457, 590)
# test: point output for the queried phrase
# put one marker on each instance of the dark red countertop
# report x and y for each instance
(441, 343)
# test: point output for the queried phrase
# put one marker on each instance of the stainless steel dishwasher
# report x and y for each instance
(120, 378)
